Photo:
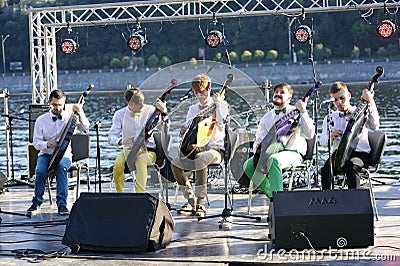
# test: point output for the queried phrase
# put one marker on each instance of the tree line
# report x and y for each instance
(339, 35)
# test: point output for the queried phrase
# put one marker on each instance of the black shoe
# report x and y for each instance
(62, 210)
(34, 207)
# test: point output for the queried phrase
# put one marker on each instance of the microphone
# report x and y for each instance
(228, 59)
(91, 86)
(331, 100)
(229, 79)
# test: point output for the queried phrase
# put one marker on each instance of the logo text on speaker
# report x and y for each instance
(322, 201)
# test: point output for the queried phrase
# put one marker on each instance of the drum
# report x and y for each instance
(242, 152)
(244, 136)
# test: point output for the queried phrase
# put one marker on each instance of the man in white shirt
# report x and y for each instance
(128, 123)
(359, 157)
(210, 153)
(48, 130)
(292, 148)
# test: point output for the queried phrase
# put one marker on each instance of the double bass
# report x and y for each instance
(66, 136)
(348, 142)
(199, 132)
(282, 129)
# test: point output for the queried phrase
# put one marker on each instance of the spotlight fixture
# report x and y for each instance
(136, 42)
(386, 28)
(302, 34)
(214, 38)
(68, 46)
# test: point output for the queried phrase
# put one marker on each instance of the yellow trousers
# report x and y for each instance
(142, 160)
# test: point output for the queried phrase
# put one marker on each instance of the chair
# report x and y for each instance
(161, 167)
(215, 170)
(302, 172)
(80, 146)
(377, 142)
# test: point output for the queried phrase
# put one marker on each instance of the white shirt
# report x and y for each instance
(222, 111)
(297, 141)
(340, 123)
(128, 125)
(46, 129)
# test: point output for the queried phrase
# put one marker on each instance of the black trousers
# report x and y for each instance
(352, 170)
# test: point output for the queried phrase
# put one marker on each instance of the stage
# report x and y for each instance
(241, 241)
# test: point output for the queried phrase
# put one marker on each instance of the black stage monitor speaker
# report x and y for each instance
(118, 222)
(331, 218)
(35, 110)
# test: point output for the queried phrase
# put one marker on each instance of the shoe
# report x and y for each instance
(187, 207)
(200, 210)
(34, 207)
(62, 210)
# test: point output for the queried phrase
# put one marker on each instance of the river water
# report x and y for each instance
(245, 102)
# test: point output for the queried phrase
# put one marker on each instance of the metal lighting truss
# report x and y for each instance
(45, 22)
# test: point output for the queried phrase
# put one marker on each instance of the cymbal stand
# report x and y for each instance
(227, 212)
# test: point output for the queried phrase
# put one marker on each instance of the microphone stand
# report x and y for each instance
(315, 104)
(97, 126)
(227, 212)
(329, 125)
(13, 181)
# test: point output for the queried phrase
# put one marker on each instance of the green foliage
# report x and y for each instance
(138, 61)
(355, 53)
(234, 57)
(368, 51)
(381, 52)
(193, 61)
(115, 63)
(152, 60)
(246, 56)
(125, 61)
(259, 55)
(392, 50)
(301, 55)
(165, 61)
(272, 55)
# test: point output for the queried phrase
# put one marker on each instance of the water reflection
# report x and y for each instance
(240, 100)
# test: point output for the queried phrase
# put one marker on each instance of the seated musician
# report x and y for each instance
(359, 157)
(48, 130)
(127, 124)
(291, 152)
(211, 153)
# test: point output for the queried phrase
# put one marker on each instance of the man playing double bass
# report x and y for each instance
(208, 154)
(359, 156)
(293, 147)
(48, 130)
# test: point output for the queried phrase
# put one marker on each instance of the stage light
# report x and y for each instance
(302, 34)
(136, 42)
(386, 28)
(214, 38)
(68, 46)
